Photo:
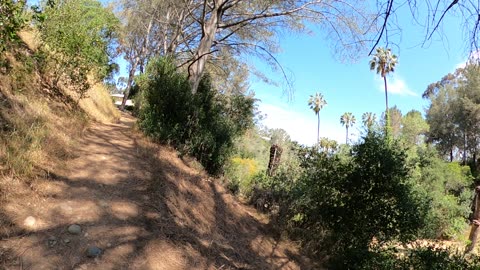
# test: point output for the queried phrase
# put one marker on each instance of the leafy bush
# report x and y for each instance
(241, 172)
(421, 258)
(448, 188)
(346, 200)
(11, 21)
(79, 37)
(204, 124)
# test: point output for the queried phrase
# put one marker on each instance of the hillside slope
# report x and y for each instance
(144, 207)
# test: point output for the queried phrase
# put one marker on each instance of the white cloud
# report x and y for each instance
(301, 127)
(396, 86)
(474, 56)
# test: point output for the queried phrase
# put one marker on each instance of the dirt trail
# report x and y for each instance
(142, 206)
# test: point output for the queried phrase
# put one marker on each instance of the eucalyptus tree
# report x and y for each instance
(151, 27)
(347, 120)
(414, 127)
(316, 103)
(252, 25)
(384, 62)
(441, 117)
(368, 120)
(196, 30)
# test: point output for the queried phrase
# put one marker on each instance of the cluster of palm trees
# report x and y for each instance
(383, 62)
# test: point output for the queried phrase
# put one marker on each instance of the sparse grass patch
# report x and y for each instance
(99, 105)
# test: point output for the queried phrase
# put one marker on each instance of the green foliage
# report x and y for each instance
(421, 258)
(241, 173)
(414, 127)
(377, 198)
(79, 35)
(204, 124)
(447, 187)
(347, 199)
(11, 21)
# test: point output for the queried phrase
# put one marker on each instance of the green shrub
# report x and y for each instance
(203, 125)
(79, 36)
(421, 258)
(11, 21)
(448, 188)
(346, 201)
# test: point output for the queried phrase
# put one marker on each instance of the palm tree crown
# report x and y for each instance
(316, 103)
(347, 120)
(383, 61)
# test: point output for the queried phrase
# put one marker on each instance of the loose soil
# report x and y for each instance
(141, 204)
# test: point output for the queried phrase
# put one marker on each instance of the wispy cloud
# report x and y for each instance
(474, 56)
(301, 127)
(396, 86)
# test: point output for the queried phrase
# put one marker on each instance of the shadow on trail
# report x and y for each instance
(139, 203)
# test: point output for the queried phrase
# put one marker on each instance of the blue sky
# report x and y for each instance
(352, 87)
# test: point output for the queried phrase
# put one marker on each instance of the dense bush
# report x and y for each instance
(204, 124)
(448, 186)
(379, 190)
(79, 36)
(368, 195)
(11, 21)
(421, 258)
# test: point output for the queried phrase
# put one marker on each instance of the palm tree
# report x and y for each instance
(347, 120)
(316, 103)
(384, 62)
(369, 119)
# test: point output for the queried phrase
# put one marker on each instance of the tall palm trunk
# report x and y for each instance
(387, 115)
(346, 135)
(318, 127)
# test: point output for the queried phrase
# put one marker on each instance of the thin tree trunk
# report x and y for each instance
(318, 127)
(346, 136)
(465, 148)
(131, 74)
(387, 115)
(133, 68)
(209, 29)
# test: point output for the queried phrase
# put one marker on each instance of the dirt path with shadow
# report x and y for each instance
(144, 207)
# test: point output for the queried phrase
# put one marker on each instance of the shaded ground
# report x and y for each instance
(142, 205)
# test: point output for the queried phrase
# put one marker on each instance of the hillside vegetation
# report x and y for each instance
(37, 121)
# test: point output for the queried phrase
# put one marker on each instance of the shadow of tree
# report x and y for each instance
(143, 206)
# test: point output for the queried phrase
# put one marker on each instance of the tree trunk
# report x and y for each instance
(346, 136)
(209, 29)
(464, 148)
(318, 127)
(137, 61)
(131, 74)
(387, 115)
(475, 228)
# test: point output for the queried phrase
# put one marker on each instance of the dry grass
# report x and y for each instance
(38, 125)
(98, 104)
